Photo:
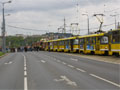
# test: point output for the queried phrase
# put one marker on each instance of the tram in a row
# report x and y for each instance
(102, 44)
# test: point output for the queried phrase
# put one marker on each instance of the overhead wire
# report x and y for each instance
(28, 29)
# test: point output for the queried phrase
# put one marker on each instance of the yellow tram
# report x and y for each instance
(94, 44)
(114, 42)
(102, 43)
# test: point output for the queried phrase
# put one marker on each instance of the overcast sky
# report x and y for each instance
(48, 15)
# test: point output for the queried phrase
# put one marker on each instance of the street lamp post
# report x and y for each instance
(87, 22)
(3, 28)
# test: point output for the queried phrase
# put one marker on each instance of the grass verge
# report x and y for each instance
(1, 53)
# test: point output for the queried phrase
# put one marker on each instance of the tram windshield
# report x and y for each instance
(104, 40)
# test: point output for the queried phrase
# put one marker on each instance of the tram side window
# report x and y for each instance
(82, 41)
(104, 40)
(67, 42)
(55, 43)
(116, 37)
(91, 40)
(51, 43)
(61, 43)
(75, 42)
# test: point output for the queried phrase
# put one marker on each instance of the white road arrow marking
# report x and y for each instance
(68, 81)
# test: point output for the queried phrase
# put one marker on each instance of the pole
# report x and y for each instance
(64, 29)
(115, 23)
(88, 25)
(3, 28)
(64, 25)
(3, 32)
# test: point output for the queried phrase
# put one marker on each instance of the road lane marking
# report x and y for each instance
(115, 84)
(25, 68)
(25, 83)
(73, 59)
(25, 73)
(8, 63)
(80, 70)
(58, 80)
(71, 66)
(43, 61)
(25, 65)
(68, 81)
(64, 63)
(58, 60)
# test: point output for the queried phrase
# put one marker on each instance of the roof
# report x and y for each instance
(92, 35)
(62, 39)
(114, 30)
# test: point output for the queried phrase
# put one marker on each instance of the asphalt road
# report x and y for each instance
(56, 71)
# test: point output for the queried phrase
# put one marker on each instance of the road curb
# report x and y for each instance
(95, 59)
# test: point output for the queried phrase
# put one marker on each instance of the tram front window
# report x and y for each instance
(116, 36)
(104, 40)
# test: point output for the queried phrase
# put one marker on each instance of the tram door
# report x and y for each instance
(98, 43)
(48, 46)
(71, 44)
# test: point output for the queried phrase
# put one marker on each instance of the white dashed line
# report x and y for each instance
(71, 66)
(25, 68)
(115, 84)
(24, 65)
(73, 59)
(43, 61)
(80, 70)
(64, 63)
(25, 74)
(25, 83)
(8, 63)
(58, 60)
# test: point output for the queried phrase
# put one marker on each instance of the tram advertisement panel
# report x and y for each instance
(90, 47)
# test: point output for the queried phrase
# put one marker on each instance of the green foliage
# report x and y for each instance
(1, 53)
(14, 41)
(30, 40)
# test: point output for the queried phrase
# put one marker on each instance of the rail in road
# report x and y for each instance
(56, 71)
